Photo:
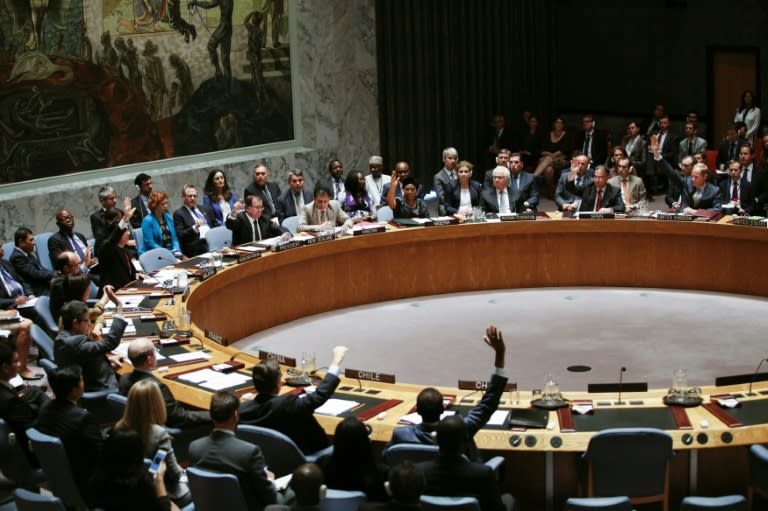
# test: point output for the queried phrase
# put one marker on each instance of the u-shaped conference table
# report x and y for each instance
(280, 287)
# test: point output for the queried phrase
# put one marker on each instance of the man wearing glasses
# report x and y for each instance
(250, 225)
(75, 346)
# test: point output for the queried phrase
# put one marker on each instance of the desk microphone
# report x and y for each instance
(233, 357)
(621, 384)
(465, 397)
(754, 377)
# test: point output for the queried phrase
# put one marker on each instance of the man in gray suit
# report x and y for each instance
(290, 202)
(632, 189)
(222, 451)
(691, 144)
(445, 176)
(322, 213)
(635, 148)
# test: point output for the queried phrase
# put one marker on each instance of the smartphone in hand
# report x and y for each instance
(159, 457)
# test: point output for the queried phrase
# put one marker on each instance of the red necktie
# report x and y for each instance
(735, 193)
(599, 201)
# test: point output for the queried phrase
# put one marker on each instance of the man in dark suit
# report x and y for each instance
(738, 190)
(596, 195)
(635, 148)
(99, 226)
(523, 185)
(695, 192)
(429, 405)
(143, 356)
(250, 224)
(592, 142)
(266, 190)
(502, 160)
(451, 474)
(500, 198)
(222, 451)
(75, 426)
(74, 345)
(27, 265)
(19, 407)
(403, 170)
(565, 200)
(191, 222)
(405, 484)
(674, 191)
(728, 149)
(501, 137)
(654, 179)
(335, 180)
(290, 202)
(143, 183)
(67, 240)
(289, 413)
(445, 177)
(115, 256)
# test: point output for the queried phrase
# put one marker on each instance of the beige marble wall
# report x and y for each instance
(334, 76)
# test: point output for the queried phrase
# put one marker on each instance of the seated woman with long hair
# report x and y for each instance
(464, 193)
(145, 414)
(356, 202)
(157, 227)
(219, 197)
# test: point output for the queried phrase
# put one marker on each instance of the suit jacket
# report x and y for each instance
(116, 268)
(710, 198)
(5, 299)
(29, 268)
(222, 451)
(292, 414)
(490, 203)
(564, 196)
(59, 242)
(90, 355)
(588, 192)
(285, 205)
(747, 198)
(637, 192)
(456, 476)
(526, 189)
(20, 414)
(216, 208)
(453, 196)
(309, 220)
(440, 182)
(398, 193)
(639, 154)
(189, 237)
(475, 419)
(78, 431)
(599, 145)
(141, 211)
(330, 183)
(699, 146)
(178, 416)
(723, 152)
(242, 232)
(153, 234)
(270, 208)
(99, 227)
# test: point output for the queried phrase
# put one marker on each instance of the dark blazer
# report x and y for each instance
(588, 192)
(639, 154)
(723, 152)
(216, 209)
(78, 431)
(453, 195)
(222, 451)
(562, 195)
(116, 269)
(292, 414)
(274, 191)
(475, 419)
(29, 268)
(243, 233)
(285, 205)
(490, 203)
(189, 238)
(5, 299)
(710, 198)
(20, 415)
(90, 355)
(599, 145)
(747, 197)
(456, 476)
(139, 214)
(59, 242)
(178, 416)
(99, 227)
(527, 190)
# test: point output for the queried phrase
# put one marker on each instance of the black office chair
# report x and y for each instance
(598, 504)
(726, 503)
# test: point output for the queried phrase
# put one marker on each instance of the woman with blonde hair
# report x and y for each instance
(145, 414)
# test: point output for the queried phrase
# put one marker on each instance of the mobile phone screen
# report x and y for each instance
(159, 457)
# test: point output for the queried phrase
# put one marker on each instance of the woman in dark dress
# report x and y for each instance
(530, 143)
(464, 193)
(555, 153)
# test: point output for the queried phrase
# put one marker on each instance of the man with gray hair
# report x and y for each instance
(108, 200)
(498, 199)
(375, 181)
(446, 176)
(290, 202)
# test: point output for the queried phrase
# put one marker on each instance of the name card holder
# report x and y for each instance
(369, 230)
(288, 245)
(217, 338)
(280, 359)
(369, 375)
(482, 385)
(243, 257)
(444, 221)
(593, 215)
(674, 216)
(514, 217)
(320, 239)
(750, 222)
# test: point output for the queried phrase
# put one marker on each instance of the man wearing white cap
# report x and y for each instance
(375, 181)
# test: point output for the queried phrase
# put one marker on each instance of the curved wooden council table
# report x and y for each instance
(278, 288)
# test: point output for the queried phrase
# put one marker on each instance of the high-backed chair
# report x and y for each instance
(384, 214)
(218, 238)
(14, 462)
(41, 245)
(53, 459)
(758, 473)
(43, 341)
(8, 248)
(94, 401)
(282, 453)
(30, 501)
(725, 503)
(291, 223)
(598, 504)
(138, 237)
(340, 500)
(156, 258)
(214, 491)
(436, 503)
(43, 309)
(631, 462)
(416, 453)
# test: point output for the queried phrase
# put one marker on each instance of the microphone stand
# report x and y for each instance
(621, 384)
(754, 377)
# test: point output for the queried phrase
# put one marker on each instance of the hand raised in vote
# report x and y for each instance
(655, 145)
(495, 340)
(337, 355)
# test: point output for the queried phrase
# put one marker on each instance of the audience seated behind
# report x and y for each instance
(445, 177)
(67, 240)
(27, 265)
(351, 466)
(308, 490)
(291, 414)
(292, 200)
(405, 483)
(429, 405)
(266, 190)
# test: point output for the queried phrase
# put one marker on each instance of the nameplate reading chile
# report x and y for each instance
(280, 359)
(369, 375)
(482, 385)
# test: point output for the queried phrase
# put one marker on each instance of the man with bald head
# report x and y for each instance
(262, 187)
(564, 199)
(66, 239)
(403, 170)
(143, 356)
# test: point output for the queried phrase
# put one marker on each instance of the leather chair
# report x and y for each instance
(29, 501)
(283, 454)
(214, 491)
(156, 258)
(218, 238)
(599, 504)
(14, 462)
(53, 459)
(436, 503)
(340, 500)
(758, 473)
(725, 503)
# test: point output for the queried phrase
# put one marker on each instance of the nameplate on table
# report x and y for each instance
(368, 229)
(444, 220)
(288, 245)
(277, 357)
(751, 221)
(483, 385)
(243, 257)
(514, 217)
(369, 375)
(594, 215)
(673, 216)
(320, 239)
(217, 338)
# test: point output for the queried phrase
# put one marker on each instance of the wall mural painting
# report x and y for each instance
(83, 88)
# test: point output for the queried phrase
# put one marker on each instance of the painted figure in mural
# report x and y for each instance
(147, 14)
(108, 55)
(276, 11)
(131, 62)
(227, 132)
(154, 78)
(86, 49)
(35, 12)
(121, 48)
(220, 38)
(183, 78)
(59, 50)
(257, 39)
(173, 11)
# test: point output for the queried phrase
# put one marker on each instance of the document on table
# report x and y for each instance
(415, 419)
(336, 407)
(192, 355)
(130, 328)
(214, 380)
(498, 418)
(128, 301)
